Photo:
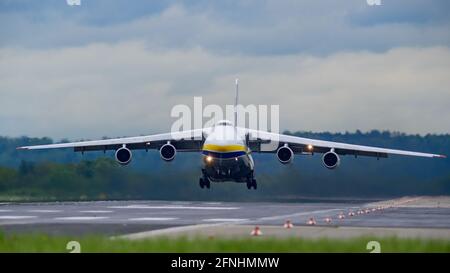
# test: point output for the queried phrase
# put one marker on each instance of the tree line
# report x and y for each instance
(65, 175)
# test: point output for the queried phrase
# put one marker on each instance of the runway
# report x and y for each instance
(128, 217)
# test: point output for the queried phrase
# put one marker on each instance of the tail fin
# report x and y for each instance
(236, 101)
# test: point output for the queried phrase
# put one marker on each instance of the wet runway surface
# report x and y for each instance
(122, 217)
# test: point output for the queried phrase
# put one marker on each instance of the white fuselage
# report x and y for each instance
(226, 156)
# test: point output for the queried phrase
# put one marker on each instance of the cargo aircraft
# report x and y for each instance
(226, 149)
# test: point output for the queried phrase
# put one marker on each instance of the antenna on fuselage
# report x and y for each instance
(236, 101)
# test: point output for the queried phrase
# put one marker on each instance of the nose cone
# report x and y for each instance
(224, 142)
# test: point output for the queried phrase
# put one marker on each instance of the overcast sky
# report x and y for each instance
(116, 68)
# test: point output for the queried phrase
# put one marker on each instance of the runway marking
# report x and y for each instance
(81, 218)
(171, 207)
(96, 211)
(5, 210)
(152, 219)
(44, 210)
(276, 217)
(224, 220)
(16, 217)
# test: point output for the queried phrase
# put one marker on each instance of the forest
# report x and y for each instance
(66, 175)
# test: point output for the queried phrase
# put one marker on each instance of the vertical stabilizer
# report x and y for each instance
(236, 101)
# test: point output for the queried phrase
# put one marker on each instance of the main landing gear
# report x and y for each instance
(204, 182)
(251, 182)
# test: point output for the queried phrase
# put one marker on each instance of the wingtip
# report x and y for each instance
(441, 156)
(21, 148)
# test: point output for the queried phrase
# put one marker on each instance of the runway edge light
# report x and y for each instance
(288, 224)
(256, 231)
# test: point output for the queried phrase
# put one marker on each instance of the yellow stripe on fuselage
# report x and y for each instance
(224, 148)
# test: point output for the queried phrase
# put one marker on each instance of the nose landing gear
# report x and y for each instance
(204, 182)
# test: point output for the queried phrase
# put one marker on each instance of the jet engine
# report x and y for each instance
(331, 160)
(285, 154)
(123, 156)
(168, 152)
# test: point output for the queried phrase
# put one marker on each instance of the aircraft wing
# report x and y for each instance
(190, 140)
(267, 142)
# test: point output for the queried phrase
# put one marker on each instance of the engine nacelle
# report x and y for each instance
(285, 154)
(123, 156)
(168, 152)
(331, 160)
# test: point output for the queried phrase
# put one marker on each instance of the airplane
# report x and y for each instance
(227, 149)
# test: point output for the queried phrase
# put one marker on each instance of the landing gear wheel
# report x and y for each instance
(251, 183)
(204, 182)
(255, 186)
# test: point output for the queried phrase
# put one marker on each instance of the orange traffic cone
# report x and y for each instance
(311, 221)
(256, 231)
(288, 224)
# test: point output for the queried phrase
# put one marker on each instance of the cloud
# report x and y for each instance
(231, 27)
(414, 12)
(117, 69)
(128, 88)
